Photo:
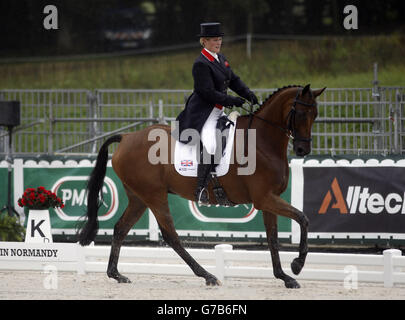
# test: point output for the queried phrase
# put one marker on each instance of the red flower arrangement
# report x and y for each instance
(39, 199)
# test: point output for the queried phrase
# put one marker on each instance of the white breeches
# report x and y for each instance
(208, 130)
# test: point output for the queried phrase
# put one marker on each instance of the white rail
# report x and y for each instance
(224, 262)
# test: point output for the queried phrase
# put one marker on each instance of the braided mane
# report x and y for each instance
(271, 96)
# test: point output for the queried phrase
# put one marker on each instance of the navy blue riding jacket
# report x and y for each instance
(211, 81)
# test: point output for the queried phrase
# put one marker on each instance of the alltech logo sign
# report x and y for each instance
(360, 200)
(355, 199)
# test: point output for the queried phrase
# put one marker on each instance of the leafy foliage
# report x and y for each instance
(11, 229)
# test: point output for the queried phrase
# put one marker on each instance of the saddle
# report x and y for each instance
(185, 157)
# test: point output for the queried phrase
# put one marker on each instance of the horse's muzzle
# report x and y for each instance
(302, 148)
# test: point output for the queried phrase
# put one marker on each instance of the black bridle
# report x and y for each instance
(290, 131)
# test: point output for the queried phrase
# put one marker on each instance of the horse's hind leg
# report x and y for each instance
(170, 235)
(131, 215)
(270, 222)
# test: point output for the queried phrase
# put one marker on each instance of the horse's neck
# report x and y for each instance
(274, 137)
(275, 112)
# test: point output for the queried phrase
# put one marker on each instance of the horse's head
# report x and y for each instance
(301, 117)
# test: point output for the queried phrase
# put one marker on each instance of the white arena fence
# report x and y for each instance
(224, 262)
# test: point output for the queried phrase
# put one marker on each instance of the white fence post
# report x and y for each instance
(81, 259)
(19, 186)
(153, 227)
(297, 195)
(388, 267)
(220, 260)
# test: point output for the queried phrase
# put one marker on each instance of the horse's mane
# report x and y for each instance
(272, 95)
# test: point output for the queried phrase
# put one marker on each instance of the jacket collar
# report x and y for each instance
(207, 54)
(217, 64)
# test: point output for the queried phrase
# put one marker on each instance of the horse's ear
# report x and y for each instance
(317, 93)
(305, 90)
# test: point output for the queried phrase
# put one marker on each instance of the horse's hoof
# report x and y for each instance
(213, 282)
(120, 278)
(123, 279)
(292, 284)
(296, 266)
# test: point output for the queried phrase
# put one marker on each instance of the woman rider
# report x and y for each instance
(212, 77)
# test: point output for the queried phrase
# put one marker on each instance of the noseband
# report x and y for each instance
(290, 131)
(291, 119)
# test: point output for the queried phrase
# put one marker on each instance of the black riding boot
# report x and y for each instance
(203, 175)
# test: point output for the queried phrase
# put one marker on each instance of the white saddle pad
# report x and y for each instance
(185, 156)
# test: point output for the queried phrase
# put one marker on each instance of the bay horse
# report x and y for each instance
(287, 113)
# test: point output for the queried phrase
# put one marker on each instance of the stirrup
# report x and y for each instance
(203, 197)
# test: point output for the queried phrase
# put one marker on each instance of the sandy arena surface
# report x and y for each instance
(27, 285)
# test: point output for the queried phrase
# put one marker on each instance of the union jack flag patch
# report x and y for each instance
(186, 163)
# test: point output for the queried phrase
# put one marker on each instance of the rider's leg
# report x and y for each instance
(205, 166)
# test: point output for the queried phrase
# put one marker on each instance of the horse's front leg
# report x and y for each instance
(270, 222)
(274, 204)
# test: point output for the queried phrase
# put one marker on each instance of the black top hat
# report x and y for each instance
(210, 29)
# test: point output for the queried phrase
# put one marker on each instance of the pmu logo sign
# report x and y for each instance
(355, 199)
(238, 214)
(72, 190)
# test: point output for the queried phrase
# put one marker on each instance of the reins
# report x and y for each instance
(290, 131)
(252, 114)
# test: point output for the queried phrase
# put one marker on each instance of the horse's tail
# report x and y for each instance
(88, 232)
